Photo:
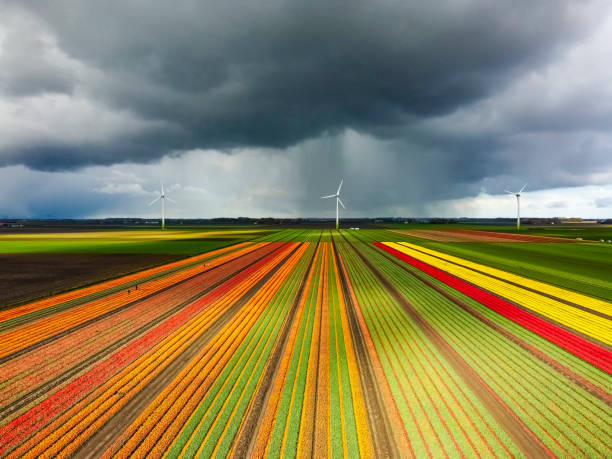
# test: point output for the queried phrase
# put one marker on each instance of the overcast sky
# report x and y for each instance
(258, 108)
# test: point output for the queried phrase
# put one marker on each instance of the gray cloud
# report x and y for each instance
(28, 63)
(274, 73)
(411, 102)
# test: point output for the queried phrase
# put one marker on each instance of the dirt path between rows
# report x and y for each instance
(378, 421)
(245, 438)
(95, 445)
(521, 435)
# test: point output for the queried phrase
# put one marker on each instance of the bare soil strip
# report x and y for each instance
(72, 303)
(512, 237)
(442, 236)
(95, 445)
(378, 421)
(463, 235)
(44, 389)
(27, 277)
(246, 435)
(522, 436)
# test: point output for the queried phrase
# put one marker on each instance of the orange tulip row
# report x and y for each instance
(24, 374)
(363, 432)
(269, 415)
(309, 405)
(229, 396)
(159, 424)
(31, 333)
(68, 431)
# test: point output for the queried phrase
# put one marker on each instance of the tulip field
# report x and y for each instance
(316, 343)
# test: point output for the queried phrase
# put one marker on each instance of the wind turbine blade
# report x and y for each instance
(330, 196)
(340, 201)
(523, 188)
(162, 187)
(509, 192)
(340, 186)
(155, 200)
(170, 199)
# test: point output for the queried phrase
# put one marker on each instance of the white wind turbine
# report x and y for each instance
(518, 205)
(338, 200)
(163, 198)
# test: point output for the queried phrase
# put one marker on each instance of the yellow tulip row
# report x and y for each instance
(400, 435)
(163, 420)
(566, 295)
(363, 432)
(262, 440)
(68, 431)
(582, 321)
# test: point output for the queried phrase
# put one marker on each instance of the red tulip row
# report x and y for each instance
(24, 374)
(26, 424)
(590, 352)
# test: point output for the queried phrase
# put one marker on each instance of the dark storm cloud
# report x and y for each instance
(27, 66)
(275, 73)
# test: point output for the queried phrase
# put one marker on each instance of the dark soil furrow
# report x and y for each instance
(378, 421)
(35, 315)
(96, 444)
(245, 437)
(28, 277)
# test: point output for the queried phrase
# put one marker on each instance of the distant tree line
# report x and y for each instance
(272, 221)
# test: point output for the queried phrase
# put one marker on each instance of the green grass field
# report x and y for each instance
(583, 267)
(184, 241)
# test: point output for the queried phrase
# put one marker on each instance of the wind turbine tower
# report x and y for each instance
(162, 197)
(518, 205)
(338, 201)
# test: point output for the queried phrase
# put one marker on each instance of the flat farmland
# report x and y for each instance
(185, 242)
(35, 263)
(310, 343)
